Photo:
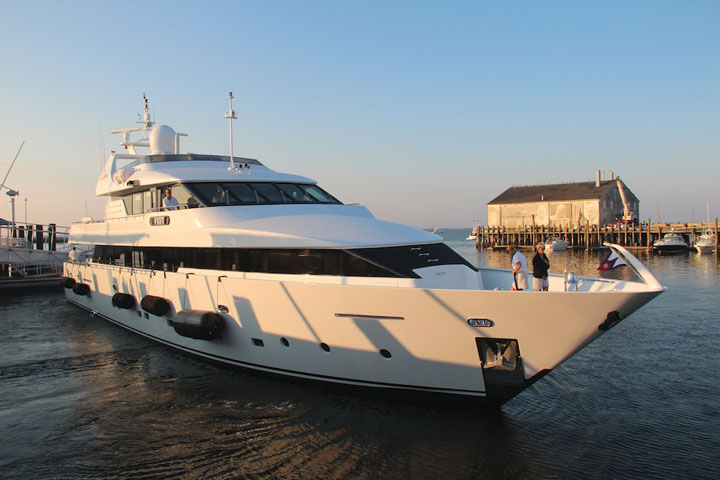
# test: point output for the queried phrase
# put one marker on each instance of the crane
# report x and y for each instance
(628, 216)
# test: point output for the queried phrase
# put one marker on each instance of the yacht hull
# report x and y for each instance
(380, 337)
(705, 249)
(671, 249)
(556, 246)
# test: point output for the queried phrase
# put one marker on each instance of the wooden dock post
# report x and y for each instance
(587, 235)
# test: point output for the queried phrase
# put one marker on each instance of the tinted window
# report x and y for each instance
(255, 193)
(293, 193)
(212, 193)
(365, 262)
(318, 195)
(269, 192)
(242, 193)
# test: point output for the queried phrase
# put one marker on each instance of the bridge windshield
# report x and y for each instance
(257, 193)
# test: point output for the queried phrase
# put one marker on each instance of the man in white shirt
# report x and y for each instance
(169, 202)
(73, 255)
(519, 265)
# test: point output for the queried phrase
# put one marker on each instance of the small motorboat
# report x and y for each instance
(705, 243)
(474, 233)
(671, 243)
(555, 244)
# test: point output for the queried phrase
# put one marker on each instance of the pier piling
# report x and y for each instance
(589, 236)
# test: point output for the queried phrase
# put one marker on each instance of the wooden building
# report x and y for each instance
(564, 204)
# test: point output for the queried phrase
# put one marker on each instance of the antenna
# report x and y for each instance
(147, 121)
(231, 116)
(707, 211)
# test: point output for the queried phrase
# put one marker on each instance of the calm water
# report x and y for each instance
(82, 398)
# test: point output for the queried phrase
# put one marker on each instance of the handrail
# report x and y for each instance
(16, 235)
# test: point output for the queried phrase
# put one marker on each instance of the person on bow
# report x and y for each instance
(519, 268)
(541, 265)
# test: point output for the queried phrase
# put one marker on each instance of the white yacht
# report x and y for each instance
(267, 271)
(555, 244)
(705, 243)
(671, 243)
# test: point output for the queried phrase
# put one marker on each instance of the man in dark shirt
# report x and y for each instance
(541, 265)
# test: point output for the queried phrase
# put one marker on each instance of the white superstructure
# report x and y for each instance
(267, 271)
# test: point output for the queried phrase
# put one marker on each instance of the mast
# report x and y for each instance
(231, 116)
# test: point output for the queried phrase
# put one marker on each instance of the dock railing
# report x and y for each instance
(33, 236)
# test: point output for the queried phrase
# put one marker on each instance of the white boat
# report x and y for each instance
(671, 243)
(267, 271)
(705, 243)
(555, 244)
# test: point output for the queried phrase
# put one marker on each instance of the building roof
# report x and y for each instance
(557, 192)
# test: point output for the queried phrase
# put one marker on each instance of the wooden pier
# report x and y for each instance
(588, 236)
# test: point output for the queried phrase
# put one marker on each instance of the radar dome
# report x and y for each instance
(162, 140)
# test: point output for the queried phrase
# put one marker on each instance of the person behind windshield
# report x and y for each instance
(220, 196)
(169, 202)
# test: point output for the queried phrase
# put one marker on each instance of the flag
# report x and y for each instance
(612, 261)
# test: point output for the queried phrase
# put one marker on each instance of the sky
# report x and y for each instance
(423, 111)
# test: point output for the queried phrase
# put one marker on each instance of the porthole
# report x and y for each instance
(285, 341)
(325, 347)
(258, 342)
(385, 353)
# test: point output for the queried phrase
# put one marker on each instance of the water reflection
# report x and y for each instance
(83, 398)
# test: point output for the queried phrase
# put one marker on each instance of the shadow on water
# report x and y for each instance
(83, 398)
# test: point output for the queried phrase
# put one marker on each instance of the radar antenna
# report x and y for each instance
(146, 121)
(231, 116)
